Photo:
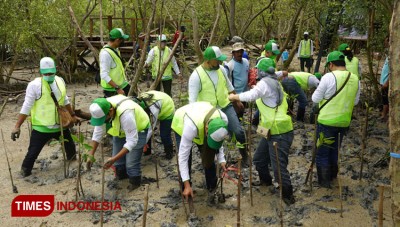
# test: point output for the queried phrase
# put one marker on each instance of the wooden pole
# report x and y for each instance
(249, 152)
(339, 180)
(238, 192)
(364, 133)
(146, 202)
(380, 211)
(101, 22)
(280, 182)
(102, 184)
(14, 188)
(78, 175)
(62, 146)
(314, 154)
(153, 147)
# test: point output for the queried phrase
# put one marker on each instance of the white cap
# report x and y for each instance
(219, 134)
(305, 33)
(96, 111)
(162, 38)
(47, 65)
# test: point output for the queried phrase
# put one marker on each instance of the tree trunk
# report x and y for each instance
(101, 22)
(250, 21)
(226, 15)
(215, 22)
(270, 23)
(232, 25)
(296, 43)
(291, 31)
(196, 40)
(394, 113)
(134, 88)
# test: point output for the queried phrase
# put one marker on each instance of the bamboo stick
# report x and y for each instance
(102, 185)
(62, 146)
(14, 188)
(339, 180)
(153, 147)
(249, 152)
(364, 140)
(280, 182)
(238, 192)
(146, 202)
(380, 211)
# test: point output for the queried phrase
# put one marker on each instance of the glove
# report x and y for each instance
(15, 134)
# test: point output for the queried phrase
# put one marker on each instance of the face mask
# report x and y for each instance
(49, 79)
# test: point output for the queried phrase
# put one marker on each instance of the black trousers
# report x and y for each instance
(166, 84)
(307, 62)
(112, 93)
(37, 142)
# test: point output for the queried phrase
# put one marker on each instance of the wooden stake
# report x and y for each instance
(14, 188)
(364, 140)
(238, 192)
(102, 185)
(179, 177)
(380, 211)
(63, 147)
(339, 180)
(154, 147)
(280, 182)
(314, 154)
(249, 152)
(146, 202)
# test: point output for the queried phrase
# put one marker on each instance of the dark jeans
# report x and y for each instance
(165, 132)
(265, 153)
(327, 154)
(307, 61)
(166, 84)
(293, 89)
(234, 125)
(112, 93)
(207, 160)
(37, 142)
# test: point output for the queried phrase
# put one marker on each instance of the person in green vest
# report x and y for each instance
(156, 58)
(305, 52)
(353, 65)
(161, 108)
(112, 68)
(295, 84)
(271, 102)
(209, 82)
(271, 50)
(206, 126)
(127, 123)
(334, 118)
(44, 117)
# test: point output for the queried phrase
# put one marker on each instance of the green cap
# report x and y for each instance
(99, 109)
(213, 52)
(117, 33)
(318, 75)
(334, 56)
(271, 46)
(266, 65)
(343, 47)
(217, 131)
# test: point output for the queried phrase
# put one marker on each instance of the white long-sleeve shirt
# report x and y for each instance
(327, 88)
(34, 92)
(150, 58)
(155, 110)
(106, 64)
(195, 83)
(128, 125)
(262, 90)
(311, 46)
(188, 134)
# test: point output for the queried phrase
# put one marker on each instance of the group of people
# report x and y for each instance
(218, 93)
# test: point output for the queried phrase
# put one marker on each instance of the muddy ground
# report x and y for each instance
(321, 207)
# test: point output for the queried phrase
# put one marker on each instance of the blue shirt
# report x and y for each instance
(385, 72)
(239, 74)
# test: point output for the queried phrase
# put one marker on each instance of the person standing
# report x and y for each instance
(353, 65)
(40, 104)
(237, 39)
(210, 83)
(112, 67)
(162, 108)
(271, 101)
(305, 52)
(158, 55)
(203, 124)
(337, 94)
(296, 84)
(127, 123)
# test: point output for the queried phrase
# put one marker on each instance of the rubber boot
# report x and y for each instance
(120, 173)
(324, 176)
(245, 158)
(334, 171)
(287, 195)
(169, 151)
(134, 182)
(300, 114)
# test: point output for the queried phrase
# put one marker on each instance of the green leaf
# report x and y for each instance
(87, 146)
(74, 138)
(82, 138)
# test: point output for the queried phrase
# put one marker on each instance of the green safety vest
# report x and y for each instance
(208, 92)
(44, 111)
(352, 66)
(305, 51)
(167, 107)
(275, 119)
(124, 103)
(117, 74)
(338, 111)
(301, 78)
(197, 113)
(156, 62)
